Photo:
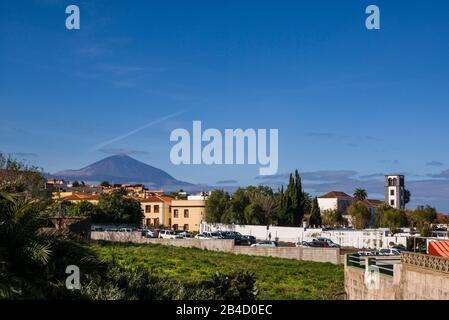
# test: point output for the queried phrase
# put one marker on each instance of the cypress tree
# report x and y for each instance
(315, 214)
(299, 209)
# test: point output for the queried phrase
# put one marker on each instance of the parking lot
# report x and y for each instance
(239, 239)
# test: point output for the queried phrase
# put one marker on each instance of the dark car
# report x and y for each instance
(236, 236)
(319, 243)
(248, 239)
(399, 247)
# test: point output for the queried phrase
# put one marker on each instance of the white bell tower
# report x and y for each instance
(395, 190)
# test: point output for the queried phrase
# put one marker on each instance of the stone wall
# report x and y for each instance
(356, 289)
(424, 277)
(416, 277)
(135, 237)
(331, 255)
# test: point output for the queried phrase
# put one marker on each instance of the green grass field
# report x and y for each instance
(276, 278)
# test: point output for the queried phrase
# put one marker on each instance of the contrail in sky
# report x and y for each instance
(123, 136)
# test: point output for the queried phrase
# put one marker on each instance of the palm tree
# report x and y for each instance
(28, 249)
(22, 250)
(407, 196)
(360, 194)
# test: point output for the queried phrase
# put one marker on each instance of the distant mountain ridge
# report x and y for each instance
(122, 169)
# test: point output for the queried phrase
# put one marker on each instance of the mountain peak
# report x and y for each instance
(121, 168)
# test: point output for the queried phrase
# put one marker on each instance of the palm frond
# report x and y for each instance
(38, 252)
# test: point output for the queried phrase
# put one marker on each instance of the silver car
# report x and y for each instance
(265, 244)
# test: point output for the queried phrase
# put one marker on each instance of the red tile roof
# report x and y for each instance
(156, 198)
(373, 202)
(336, 194)
(82, 196)
(441, 217)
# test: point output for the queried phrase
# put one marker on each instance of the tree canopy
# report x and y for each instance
(332, 218)
(115, 208)
(18, 177)
(360, 214)
(360, 194)
(259, 205)
(389, 217)
(315, 214)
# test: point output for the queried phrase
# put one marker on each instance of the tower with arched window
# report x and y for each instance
(395, 190)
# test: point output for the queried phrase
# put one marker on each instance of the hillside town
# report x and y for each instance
(390, 237)
(180, 211)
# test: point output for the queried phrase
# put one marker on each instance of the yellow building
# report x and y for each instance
(187, 214)
(156, 210)
(78, 197)
(62, 194)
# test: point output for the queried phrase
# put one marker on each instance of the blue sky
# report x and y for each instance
(350, 104)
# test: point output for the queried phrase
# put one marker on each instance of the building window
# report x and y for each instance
(148, 222)
(156, 209)
(147, 209)
(392, 202)
(186, 213)
(175, 227)
(175, 213)
(392, 192)
(186, 227)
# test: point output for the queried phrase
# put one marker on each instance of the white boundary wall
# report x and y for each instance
(361, 239)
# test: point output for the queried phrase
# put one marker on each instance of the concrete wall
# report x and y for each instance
(135, 237)
(422, 284)
(331, 255)
(416, 277)
(356, 289)
(361, 239)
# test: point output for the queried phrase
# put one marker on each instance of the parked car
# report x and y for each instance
(201, 236)
(389, 252)
(150, 234)
(368, 253)
(329, 242)
(265, 244)
(232, 235)
(302, 244)
(209, 235)
(399, 247)
(249, 240)
(168, 234)
(319, 243)
(184, 234)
